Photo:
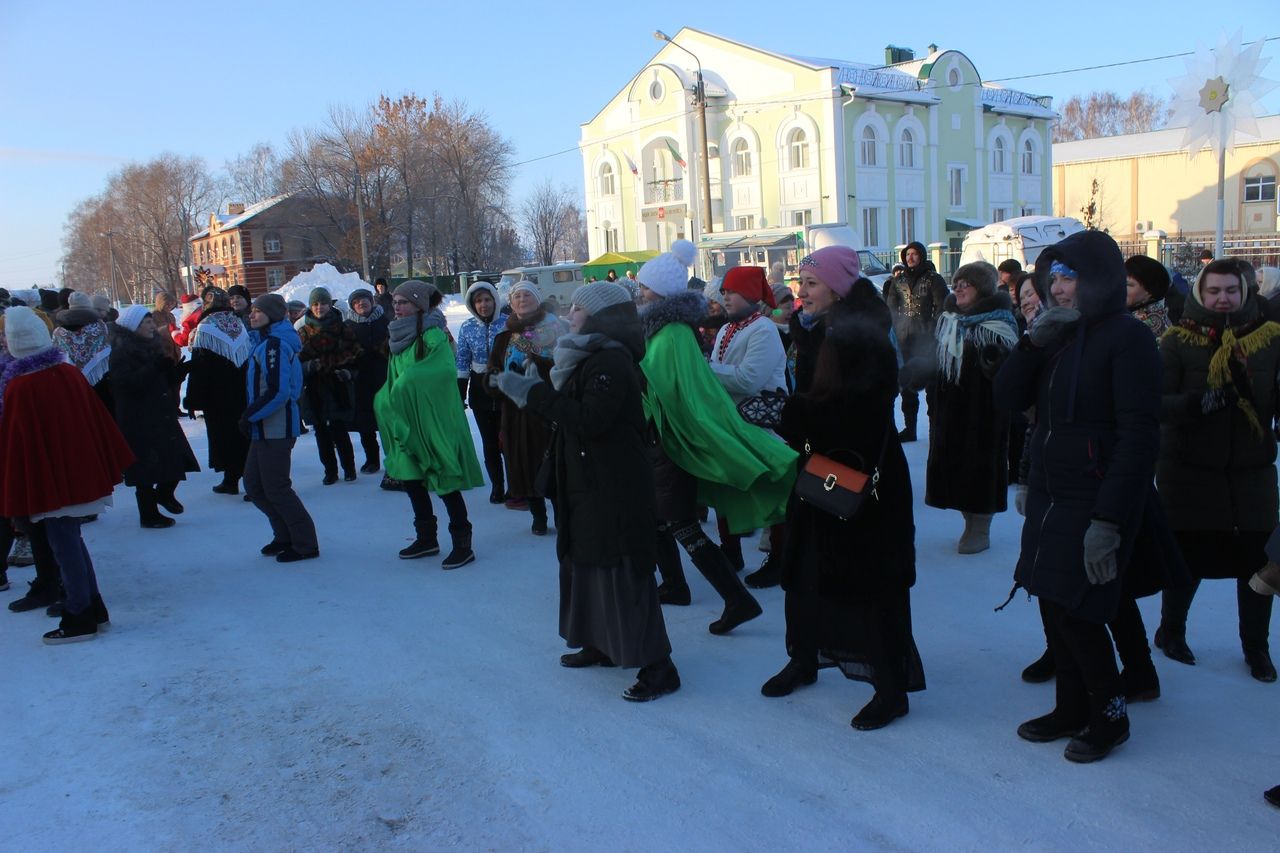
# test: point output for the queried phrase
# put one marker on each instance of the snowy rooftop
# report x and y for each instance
(1167, 141)
(230, 220)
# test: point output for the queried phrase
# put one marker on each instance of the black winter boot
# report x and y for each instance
(230, 485)
(740, 605)
(882, 710)
(74, 628)
(149, 515)
(538, 509)
(1069, 715)
(1173, 642)
(38, 595)
(793, 675)
(769, 574)
(461, 553)
(653, 681)
(1260, 665)
(910, 413)
(1141, 682)
(1042, 670)
(166, 497)
(1272, 796)
(1108, 728)
(674, 589)
(585, 657)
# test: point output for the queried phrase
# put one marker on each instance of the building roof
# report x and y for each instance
(1166, 141)
(226, 220)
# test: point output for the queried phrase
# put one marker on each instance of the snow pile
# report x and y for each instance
(338, 284)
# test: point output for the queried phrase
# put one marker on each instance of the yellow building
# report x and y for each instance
(911, 149)
(1146, 182)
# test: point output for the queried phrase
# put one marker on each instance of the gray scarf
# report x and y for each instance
(572, 350)
(402, 332)
(373, 315)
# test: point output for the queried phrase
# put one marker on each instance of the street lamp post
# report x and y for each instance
(111, 248)
(700, 101)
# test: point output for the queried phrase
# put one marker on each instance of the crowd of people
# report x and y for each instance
(1128, 414)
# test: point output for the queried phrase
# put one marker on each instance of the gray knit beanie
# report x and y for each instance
(594, 298)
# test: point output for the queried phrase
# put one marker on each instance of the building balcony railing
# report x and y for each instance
(657, 192)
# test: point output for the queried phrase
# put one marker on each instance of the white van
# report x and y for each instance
(557, 282)
(1021, 238)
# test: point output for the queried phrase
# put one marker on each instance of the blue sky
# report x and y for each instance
(84, 90)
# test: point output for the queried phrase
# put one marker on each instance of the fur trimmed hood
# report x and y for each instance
(689, 308)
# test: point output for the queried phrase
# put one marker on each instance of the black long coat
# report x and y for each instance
(968, 467)
(216, 387)
(371, 368)
(1093, 450)
(143, 378)
(605, 506)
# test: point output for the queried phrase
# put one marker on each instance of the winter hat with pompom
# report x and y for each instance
(668, 274)
(24, 332)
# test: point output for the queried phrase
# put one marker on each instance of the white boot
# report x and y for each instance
(977, 534)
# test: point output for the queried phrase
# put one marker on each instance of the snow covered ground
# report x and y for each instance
(359, 701)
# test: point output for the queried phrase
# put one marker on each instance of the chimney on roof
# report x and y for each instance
(894, 55)
(933, 48)
(235, 208)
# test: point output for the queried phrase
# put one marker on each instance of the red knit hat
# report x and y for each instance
(750, 283)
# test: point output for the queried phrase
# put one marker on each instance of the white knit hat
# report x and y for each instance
(24, 333)
(525, 284)
(668, 274)
(80, 300)
(712, 291)
(132, 316)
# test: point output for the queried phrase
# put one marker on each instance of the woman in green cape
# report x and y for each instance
(424, 428)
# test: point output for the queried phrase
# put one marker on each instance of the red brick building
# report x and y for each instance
(260, 246)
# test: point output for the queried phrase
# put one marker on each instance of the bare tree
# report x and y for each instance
(1107, 114)
(552, 221)
(254, 176)
(150, 211)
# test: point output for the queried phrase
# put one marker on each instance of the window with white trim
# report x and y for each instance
(871, 227)
(802, 217)
(907, 225)
(741, 160)
(999, 214)
(999, 157)
(275, 278)
(608, 186)
(907, 150)
(1028, 157)
(1260, 188)
(1028, 211)
(955, 180)
(744, 223)
(798, 149)
(271, 244)
(867, 147)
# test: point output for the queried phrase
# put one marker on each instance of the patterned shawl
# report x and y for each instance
(86, 348)
(223, 333)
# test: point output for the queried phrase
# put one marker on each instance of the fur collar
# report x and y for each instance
(688, 308)
(515, 325)
(29, 364)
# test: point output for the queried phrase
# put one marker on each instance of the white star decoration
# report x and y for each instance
(1217, 95)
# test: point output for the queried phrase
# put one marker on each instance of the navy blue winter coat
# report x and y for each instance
(1097, 434)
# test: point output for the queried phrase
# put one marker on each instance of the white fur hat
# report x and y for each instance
(668, 274)
(24, 333)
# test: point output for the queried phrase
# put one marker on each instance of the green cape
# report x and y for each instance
(743, 471)
(424, 427)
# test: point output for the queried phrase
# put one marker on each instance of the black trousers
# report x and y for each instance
(1084, 655)
(331, 437)
(424, 517)
(1254, 610)
(369, 444)
(489, 422)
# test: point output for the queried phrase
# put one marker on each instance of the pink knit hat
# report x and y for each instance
(838, 267)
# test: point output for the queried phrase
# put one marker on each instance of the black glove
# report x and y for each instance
(342, 374)
(245, 427)
(1052, 325)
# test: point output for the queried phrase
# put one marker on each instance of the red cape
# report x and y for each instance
(58, 445)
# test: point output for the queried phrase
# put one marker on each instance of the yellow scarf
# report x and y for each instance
(1231, 347)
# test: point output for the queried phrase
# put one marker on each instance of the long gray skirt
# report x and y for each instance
(614, 610)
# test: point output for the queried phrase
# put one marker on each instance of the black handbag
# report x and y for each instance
(764, 409)
(836, 488)
(544, 481)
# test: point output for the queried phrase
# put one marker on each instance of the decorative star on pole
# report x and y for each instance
(1217, 95)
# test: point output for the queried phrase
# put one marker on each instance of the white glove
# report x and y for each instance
(1020, 500)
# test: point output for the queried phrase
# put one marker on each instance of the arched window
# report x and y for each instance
(907, 150)
(607, 184)
(867, 148)
(999, 157)
(741, 159)
(1028, 157)
(798, 149)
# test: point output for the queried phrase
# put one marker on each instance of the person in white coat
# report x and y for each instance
(748, 359)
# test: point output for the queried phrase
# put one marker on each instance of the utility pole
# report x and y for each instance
(700, 102)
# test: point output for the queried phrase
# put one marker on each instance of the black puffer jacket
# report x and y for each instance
(916, 297)
(604, 481)
(143, 378)
(1093, 451)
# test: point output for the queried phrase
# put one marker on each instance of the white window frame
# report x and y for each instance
(802, 217)
(868, 142)
(871, 227)
(1028, 158)
(907, 224)
(271, 246)
(741, 159)
(956, 178)
(744, 222)
(275, 278)
(999, 214)
(797, 149)
(907, 149)
(608, 182)
(999, 156)
(1259, 184)
(1029, 210)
